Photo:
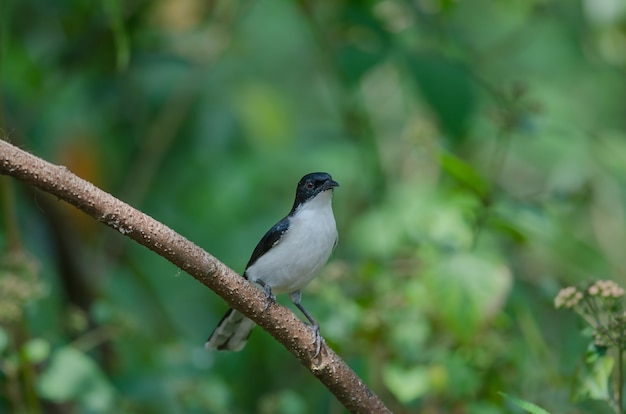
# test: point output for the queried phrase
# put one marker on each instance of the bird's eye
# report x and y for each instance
(309, 185)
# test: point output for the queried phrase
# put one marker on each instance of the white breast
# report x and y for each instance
(304, 249)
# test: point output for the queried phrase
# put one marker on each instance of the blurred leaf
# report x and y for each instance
(484, 407)
(406, 384)
(36, 350)
(266, 115)
(448, 90)
(508, 228)
(466, 291)
(463, 377)
(73, 376)
(464, 173)
(591, 380)
(116, 14)
(368, 42)
(286, 402)
(386, 224)
(4, 340)
(356, 61)
(525, 405)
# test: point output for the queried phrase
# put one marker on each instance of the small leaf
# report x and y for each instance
(36, 350)
(592, 377)
(406, 384)
(525, 405)
(73, 376)
(4, 340)
(464, 174)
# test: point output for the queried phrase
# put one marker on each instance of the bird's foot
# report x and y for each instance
(317, 339)
(269, 296)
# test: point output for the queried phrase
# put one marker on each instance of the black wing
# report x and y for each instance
(269, 240)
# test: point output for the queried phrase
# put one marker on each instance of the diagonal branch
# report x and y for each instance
(279, 321)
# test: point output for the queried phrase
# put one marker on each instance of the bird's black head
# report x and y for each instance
(311, 185)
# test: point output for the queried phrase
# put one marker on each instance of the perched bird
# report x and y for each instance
(287, 258)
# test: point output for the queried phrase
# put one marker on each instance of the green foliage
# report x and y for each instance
(74, 377)
(481, 152)
(527, 406)
(448, 89)
(593, 376)
(466, 291)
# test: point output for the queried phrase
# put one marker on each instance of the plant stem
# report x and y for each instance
(620, 378)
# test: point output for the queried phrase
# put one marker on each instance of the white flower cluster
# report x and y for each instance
(568, 298)
(606, 289)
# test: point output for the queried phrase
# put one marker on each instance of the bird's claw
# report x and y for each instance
(269, 296)
(317, 339)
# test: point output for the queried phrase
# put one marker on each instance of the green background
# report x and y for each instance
(481, 152)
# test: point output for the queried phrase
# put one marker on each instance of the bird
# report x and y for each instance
(287, 258)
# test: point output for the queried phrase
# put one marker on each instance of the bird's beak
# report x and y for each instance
(329, 184)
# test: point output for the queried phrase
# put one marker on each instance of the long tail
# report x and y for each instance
(231, 333)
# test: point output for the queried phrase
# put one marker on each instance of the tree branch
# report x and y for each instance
(279, 321)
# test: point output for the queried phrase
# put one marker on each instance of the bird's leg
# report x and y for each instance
(269, 296)
(317, 337)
